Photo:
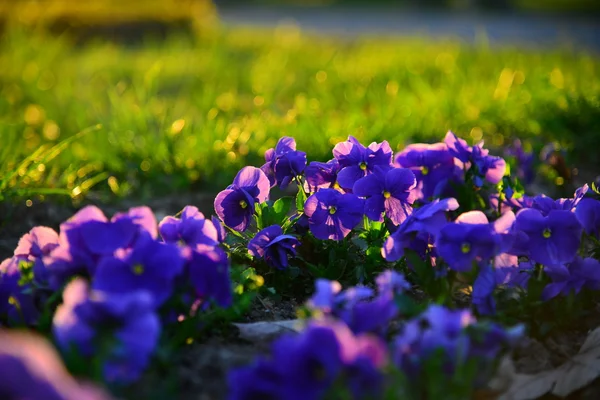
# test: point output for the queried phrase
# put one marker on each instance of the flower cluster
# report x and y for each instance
(121, 275)
(338, 347)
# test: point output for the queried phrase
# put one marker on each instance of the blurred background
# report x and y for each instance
(108, 99)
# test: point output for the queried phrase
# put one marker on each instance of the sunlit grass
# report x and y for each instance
(188, 112)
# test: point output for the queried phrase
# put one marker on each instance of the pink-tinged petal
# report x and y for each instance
(472, 217)
(495, 174)
(505, 222)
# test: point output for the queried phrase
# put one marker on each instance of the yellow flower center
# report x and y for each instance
(363, 166)
(243, 204)
(332, 210)
(465, 248)
(138, 269)
(424, 170)
(547, 233)
(13, 301)
(387, 194)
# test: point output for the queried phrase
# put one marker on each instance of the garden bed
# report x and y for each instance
(425, 273)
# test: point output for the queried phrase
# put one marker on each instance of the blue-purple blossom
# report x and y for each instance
(320, 175)
(17, 303)
(432, 164)
(34, 246)
(483, 289)
(31, 369)
(332, 215)
(149, 265)
(588, 215)
(490, 168)
(273, 246)
(284, 162)
(511, 272)
(389, 191)
(581, 272)
(235, 205)
(546, 204)
(524, 160)
(356, 160)
(470, 239)
(207, 270)
(423, 223)
(87, 237)
(359, 307)
(550, 240)
(121, 330)
(191, 229)
(305, 366)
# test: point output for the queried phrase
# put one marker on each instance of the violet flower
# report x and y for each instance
(320, 175)
(423, 223)
(121, 330)
(34, 246)
(305, 366)
(273, 246)
(208, 272)
(31, 369)
(331, 214)
(550, 240)
(149, 265)
(283, 163)
(581, 272)
(191, 229)
(17, 303)
(235, 205)
(588, 215)
(389, 191)
(490, 168)
(471, 239)
(432, 164)
(87, 237)
(356, 160)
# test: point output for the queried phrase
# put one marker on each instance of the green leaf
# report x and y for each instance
(281, 208)
(300, 199)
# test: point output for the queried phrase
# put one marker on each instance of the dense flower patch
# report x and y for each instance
(442, 218)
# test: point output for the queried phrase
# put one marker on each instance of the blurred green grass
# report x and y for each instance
(187, 112)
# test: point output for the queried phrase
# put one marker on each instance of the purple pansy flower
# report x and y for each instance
(423, 223)
(17, 306)
(305, 366)
(149, 265)
(142, 216)
(284, 162)
(320, 175)
(546, 204)
(387, 190)
(191, 229)
(579, 273)
(512, 273)
(356, 160)
(470, 239)
(87, 237)
(31, 369)
(273, 246)
(550, 240)
(483, 290)
(34, 246)
(525, 171)
(86, 320)
(208, 272)
(491, 168)
(432, 164)
(331, 214)
(235, 205)
(588, 215)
